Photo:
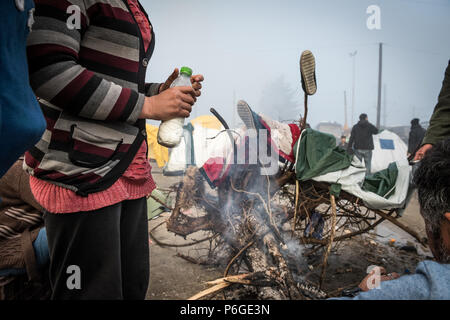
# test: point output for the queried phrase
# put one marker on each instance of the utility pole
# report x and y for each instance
(380, 69)
(353, 55)
(345, 111)
(384, 106)
(234, 109)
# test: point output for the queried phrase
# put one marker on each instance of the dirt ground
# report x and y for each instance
(171, 277)
(174, 278)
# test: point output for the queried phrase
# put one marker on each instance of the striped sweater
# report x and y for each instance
(91, 86)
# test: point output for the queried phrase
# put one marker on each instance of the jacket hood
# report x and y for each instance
(363, 123)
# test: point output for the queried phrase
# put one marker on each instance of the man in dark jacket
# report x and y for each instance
(416, 136)
(361, 141)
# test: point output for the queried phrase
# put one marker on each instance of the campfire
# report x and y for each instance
(261, 227)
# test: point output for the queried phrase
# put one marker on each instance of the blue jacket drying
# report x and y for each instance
(21, 121)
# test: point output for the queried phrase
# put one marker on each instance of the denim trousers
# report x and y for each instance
(367, 156)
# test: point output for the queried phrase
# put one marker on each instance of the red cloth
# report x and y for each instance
(136, 182)
(142, 21)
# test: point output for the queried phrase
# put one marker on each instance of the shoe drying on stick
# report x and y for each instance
(171, 131)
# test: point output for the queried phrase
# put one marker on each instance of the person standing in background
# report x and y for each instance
(439, 128)
(416, 136)
(343, 144)
(90, 171)
(361, 141)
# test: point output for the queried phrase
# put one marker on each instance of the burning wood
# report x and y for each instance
(245, 218)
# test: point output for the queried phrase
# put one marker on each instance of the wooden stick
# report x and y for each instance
(303, 124)
(209, 291)
(296, 206)
(400, 225)
(219, 285)
(222, 280)
(237, 256)
(333, 227)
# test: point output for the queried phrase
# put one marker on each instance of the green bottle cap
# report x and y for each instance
(186, 70)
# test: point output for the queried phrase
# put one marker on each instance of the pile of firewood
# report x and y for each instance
(246, 219)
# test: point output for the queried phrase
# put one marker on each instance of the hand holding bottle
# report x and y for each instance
(196, 82)
(171, 131)
(173, 103)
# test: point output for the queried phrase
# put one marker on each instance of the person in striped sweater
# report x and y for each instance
(88, 60)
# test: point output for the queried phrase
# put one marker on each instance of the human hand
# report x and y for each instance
(375, 277)
(172, 103)
(422, 151)
(166, 85)
(197, 84)
(195, 80)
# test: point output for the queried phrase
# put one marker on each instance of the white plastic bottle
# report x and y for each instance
(171, 131)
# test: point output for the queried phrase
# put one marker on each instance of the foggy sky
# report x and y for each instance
(240, 46)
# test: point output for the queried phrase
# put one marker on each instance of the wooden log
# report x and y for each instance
(217, 288)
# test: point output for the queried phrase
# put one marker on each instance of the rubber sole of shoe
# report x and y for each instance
(245, 113)
(308, 72)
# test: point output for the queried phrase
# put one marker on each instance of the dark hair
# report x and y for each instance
(415, 121)
(363, 116)
(432, 180)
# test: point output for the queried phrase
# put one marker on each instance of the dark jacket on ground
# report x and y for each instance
(416, 136)
(20, 220)
(361, 136)
(439, 128)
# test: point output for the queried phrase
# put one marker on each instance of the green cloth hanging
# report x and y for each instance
(382, 182)
(318, 155)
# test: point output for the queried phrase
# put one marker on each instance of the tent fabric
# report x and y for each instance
(352, 178)
(208, 122)
(382, 182)
(385, 153)
(156, 207)
(155, 150)
(317, 154)
(198, 146)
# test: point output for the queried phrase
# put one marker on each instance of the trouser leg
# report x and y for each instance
(358, 155)
(368, 161)
(85, 244)
(134, 249)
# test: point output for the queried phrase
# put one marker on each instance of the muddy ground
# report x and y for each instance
(172, 277)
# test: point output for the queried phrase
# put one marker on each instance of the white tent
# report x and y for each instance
(388, 148)
(198, 145)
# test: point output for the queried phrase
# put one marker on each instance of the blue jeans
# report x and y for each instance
(40, 246)
(367, 156)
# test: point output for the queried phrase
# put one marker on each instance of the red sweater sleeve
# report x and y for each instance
(57, 76)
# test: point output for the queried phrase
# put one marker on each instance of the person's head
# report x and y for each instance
(415, 122)
(432, 179)
(363, 117)
(343, 139)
